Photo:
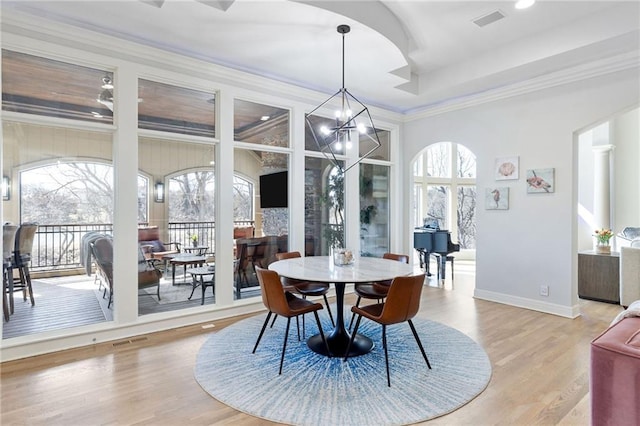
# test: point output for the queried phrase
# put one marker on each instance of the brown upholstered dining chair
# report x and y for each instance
(376, 290)
(402, 304)
(8, 243)
(284, 304)
(305, 288)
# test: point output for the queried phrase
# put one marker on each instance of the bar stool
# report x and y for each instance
(442, 263)
(22, 257)
(8, 243)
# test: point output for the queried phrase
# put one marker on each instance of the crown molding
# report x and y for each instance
(604, 66)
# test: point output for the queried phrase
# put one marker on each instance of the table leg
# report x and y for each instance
(173, 273)
(195, 283)
(338, 339)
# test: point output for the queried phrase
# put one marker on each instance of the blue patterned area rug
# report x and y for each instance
(315, 390)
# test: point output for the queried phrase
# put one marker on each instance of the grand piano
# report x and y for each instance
(428, 240)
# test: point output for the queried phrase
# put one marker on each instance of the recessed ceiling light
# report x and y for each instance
(523, 4)
(264, 118)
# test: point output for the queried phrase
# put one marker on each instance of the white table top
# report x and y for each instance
(321, 268)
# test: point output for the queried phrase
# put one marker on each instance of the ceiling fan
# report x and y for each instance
(106, 95)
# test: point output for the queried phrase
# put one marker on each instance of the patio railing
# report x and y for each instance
(57, 247)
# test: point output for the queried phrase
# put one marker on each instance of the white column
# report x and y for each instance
(125, 216)
(602, 185)
(224, 164)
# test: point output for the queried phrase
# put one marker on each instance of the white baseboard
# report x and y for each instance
(535, 305)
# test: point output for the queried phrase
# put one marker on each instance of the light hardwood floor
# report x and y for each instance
(540, 371)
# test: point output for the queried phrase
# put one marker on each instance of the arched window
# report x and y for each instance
(441, 171)
(82, 193)
(191, 197)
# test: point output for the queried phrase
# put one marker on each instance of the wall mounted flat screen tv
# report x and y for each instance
(273, 190)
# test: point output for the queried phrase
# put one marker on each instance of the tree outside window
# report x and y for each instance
(73, 193)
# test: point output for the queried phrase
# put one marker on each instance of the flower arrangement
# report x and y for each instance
(603, 236)
(194, 239)
(342, 257)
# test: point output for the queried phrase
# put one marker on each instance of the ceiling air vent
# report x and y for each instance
(489, 18)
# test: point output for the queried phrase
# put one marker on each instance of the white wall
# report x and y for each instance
(586, 221)
(534, 242)
(625, 135)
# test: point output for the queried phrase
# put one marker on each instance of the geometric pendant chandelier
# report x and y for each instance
(351, 128)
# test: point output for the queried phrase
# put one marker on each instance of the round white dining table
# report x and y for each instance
(322, 269)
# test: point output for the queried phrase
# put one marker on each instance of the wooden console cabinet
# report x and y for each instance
(599, 276)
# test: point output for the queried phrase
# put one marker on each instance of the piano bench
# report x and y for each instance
(448, 259)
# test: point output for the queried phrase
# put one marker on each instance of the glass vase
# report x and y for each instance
(603, 248)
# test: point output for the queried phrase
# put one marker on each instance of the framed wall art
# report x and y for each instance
(496, 198)
(507, 168)
(541, 181)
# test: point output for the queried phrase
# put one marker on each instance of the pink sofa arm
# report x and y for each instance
(615, 375)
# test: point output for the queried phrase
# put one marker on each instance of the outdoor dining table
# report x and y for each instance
(184, 260)
(196, 250)
(202, 276)
(323, 269)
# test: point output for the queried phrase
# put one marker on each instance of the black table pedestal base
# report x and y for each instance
(338, 345)
(338, 338)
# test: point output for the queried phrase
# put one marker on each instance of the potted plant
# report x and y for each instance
(603, 236)
(194, 240)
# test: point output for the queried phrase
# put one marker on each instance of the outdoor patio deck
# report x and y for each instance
(73, 301)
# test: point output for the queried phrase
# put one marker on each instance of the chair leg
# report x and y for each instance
(326, 345)
(274, 320)
(386, 353)
(28, 287)
(284, 345)
(304, 328)
(23, 282)
(353, 337)
(266, 321)
(326, 302)
(415, 334)
(353, 314)
(10, 285)
(5, 302)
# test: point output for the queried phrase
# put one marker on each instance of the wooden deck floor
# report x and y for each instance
(59, 303)
(73, 301)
